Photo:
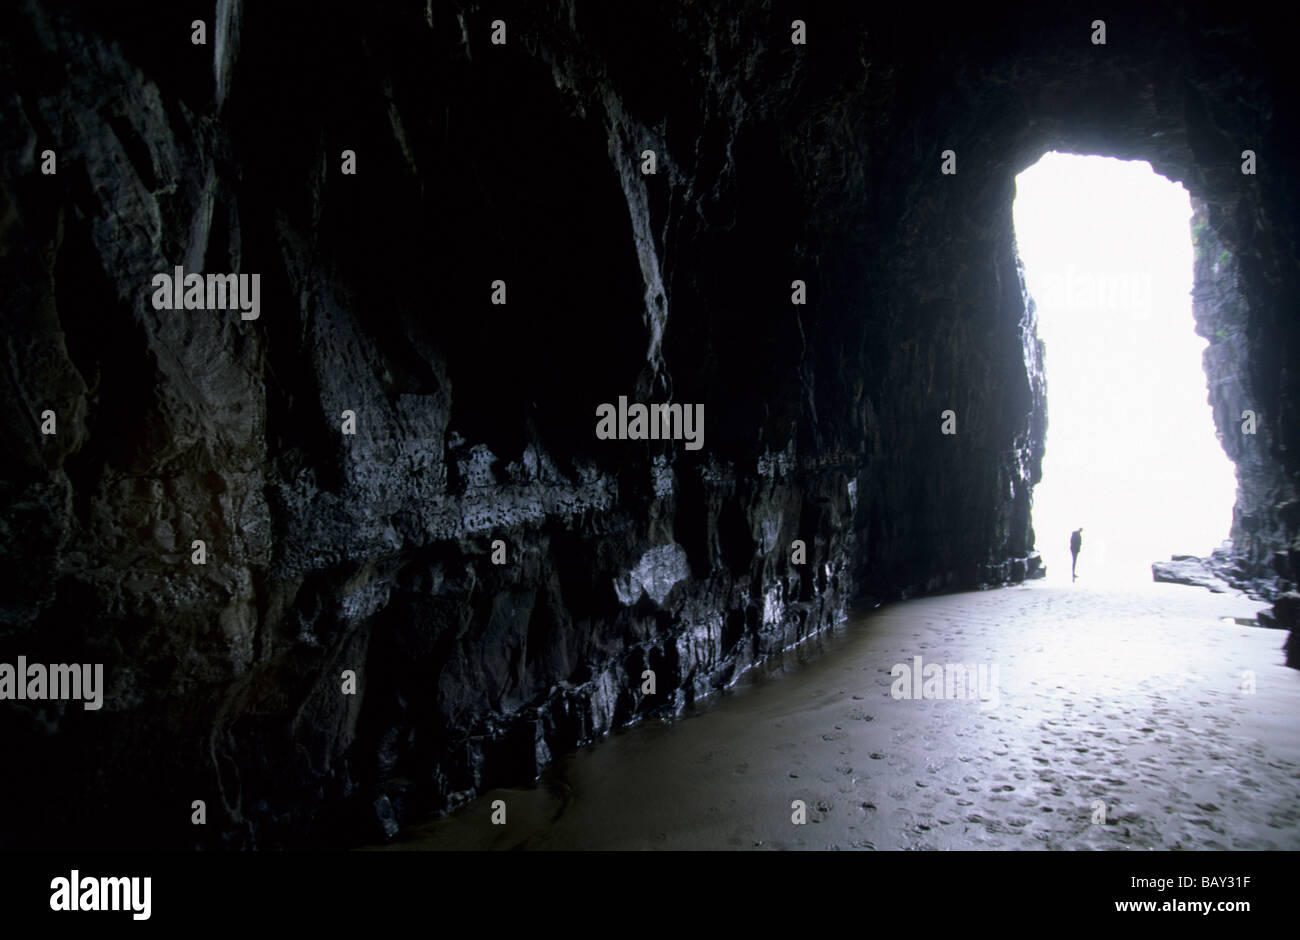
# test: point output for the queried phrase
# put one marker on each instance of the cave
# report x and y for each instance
(475, 226)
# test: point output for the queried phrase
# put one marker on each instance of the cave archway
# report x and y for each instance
(1131, 451)
(1243, 278)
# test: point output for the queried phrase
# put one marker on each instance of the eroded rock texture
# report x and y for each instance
(475, 422)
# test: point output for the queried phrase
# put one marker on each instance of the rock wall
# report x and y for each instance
(475, 421)
(1255, 419)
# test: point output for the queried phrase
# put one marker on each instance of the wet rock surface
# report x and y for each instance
(1263, 555)
(1213, 572)
(374, 552)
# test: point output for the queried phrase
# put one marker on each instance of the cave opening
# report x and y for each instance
(1131, 453)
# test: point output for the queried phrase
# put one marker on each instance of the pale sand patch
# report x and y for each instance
(1129, 696)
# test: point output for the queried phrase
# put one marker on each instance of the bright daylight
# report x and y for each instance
(1132, 456)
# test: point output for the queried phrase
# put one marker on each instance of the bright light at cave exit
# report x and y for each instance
(1132, 455)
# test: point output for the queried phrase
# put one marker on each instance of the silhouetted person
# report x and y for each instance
(1076, 543)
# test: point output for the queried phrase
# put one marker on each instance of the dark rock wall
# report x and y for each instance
(475, 422)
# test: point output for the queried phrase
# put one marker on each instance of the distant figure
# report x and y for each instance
(1076, 543)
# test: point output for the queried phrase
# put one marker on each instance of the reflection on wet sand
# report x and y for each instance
(1136, 701)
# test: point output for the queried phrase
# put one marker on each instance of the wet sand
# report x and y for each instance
(1131, 696)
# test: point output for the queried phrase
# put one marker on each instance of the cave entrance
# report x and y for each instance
(1131, 451)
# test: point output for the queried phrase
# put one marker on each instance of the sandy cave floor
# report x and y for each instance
(1131, 696)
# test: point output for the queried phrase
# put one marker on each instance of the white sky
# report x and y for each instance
(1131, 450)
